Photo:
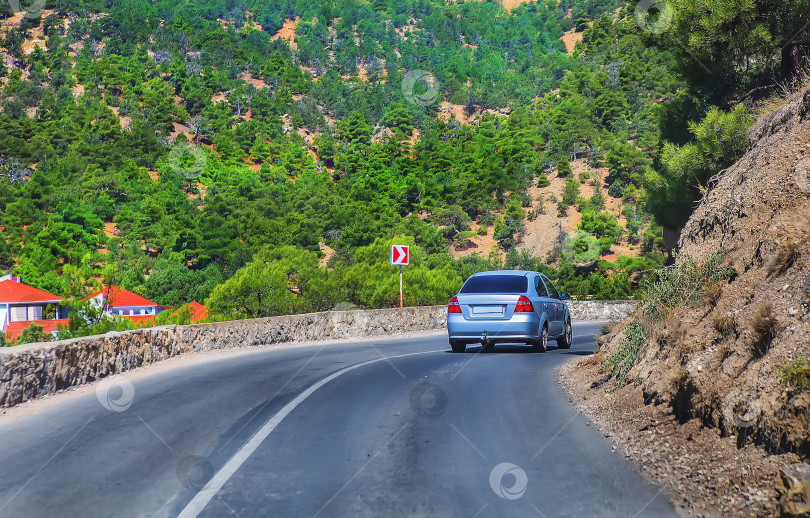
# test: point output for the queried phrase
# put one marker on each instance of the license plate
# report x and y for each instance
(488, 310)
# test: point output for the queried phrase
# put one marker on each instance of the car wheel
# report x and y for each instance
(458, 347)
(541, 345)
(568, 336)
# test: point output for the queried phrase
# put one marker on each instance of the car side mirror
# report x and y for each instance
(565, 296)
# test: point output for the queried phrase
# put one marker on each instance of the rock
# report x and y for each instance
(795, 500)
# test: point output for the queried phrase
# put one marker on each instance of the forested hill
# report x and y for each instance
(263, 155)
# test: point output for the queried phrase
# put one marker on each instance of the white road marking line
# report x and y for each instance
(304, 366)
(204, 496)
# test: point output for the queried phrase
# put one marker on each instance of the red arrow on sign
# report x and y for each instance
(399, 254)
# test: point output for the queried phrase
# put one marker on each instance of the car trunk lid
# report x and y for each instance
(488, 306)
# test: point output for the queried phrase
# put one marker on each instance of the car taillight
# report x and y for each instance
(524, 305)
(453, 306)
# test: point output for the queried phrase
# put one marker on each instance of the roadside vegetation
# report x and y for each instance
(688, 284)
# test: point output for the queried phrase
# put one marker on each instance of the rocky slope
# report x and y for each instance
(738, 343)
(727, 362)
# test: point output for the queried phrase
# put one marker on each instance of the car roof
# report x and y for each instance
(516, 273)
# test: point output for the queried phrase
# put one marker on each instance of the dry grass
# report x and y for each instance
(784, 94)
(764, 325)
(712, 293)
(785, 258)
(725, 324)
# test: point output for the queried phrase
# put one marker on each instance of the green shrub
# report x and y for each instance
(619, 363)
(603, 225)
(463, 238)
(31, 334)
(88, 319)
(683, 284)
(487, 218)
(564, 167)
(570, 192)
(795, 374)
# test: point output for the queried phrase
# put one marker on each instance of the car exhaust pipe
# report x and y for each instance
(485, 342)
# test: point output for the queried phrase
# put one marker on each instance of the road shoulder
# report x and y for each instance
(706, 475)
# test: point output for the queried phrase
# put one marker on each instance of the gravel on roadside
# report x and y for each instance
(705, 475)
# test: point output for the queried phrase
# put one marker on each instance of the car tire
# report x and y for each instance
(568, 336)
(541, 345)
(458, 347)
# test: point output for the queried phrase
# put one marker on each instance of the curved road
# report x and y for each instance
(378, 427)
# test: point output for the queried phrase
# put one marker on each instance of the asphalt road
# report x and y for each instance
(314, 431)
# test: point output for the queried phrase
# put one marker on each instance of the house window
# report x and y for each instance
(19, 313)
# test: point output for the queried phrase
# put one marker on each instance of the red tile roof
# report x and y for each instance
(119, 297)
(17, 292)
(15, 329)
(198, 311)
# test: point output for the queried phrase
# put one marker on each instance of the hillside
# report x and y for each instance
(168, 155)
(720, 348)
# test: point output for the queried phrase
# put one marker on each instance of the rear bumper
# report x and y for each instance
(520, 328)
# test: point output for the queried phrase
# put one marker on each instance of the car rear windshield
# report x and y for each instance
(495, 284)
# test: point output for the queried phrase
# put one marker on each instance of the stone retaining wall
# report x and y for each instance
(33, 370)
(601, 309)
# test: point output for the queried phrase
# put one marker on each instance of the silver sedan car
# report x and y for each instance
(509, 306)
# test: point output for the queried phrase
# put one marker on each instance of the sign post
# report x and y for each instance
(400, 256)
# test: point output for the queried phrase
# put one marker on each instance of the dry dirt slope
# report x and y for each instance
(711, 412)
